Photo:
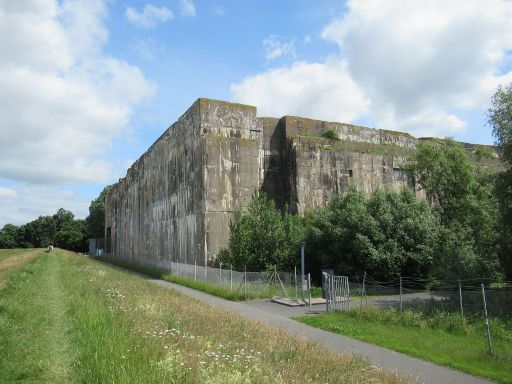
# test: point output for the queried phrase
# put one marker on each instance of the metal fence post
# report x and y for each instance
(245, 282)
(302, 275)
(231, 279)
(460, 300)
(486, 320)
(275, 280)
(363, 289)
(195, 270)
(309, 288)
(295, 279)
(327, 291)
(401, 301)
(220, 274)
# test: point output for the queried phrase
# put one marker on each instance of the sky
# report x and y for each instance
(86, 86)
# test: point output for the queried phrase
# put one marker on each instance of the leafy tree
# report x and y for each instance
(60, 229)
(8, 236)
(42, 231)
(262, 237)
(72, 235)
(443, 171)
(96, 218)
(499, 117)
(463, 197)
(62, 217)
(387, 234)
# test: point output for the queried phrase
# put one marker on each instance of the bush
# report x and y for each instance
(330, 134)
(263, 237)
(387, 234)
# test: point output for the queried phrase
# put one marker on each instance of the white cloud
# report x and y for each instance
(218, 10)
(419, 59)
(411, 65)
(317, 90)
(149, 17)
(30, 202)
(275, 48)
(188, 8)
(62, 101)
(7, 193)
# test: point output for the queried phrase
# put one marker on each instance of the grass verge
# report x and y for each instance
(441, 338)
(66, 319)
(9, 253)
(253, 291)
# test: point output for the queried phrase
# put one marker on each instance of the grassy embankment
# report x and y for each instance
(260, 290)
(237, 292)
(441, 338)
(65, 319)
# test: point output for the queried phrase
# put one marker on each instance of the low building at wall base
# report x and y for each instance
(176, 201)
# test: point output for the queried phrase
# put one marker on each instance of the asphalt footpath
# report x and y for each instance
(277, 315)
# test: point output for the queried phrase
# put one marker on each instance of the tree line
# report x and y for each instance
(61, 229)
(462, 228)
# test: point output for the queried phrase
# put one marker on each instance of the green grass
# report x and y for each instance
(7, 253)
(438, 337)
(238, 293)
(70, 319)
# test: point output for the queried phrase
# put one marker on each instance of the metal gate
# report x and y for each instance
(337, 295)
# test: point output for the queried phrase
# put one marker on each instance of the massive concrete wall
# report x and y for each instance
(156, 213)
(232, 166)
(177, 200)
(319, 168)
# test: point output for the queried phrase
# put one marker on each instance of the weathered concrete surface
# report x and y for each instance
(177, 200)
(231, 166)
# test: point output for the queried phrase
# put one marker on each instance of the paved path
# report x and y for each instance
(277, 315)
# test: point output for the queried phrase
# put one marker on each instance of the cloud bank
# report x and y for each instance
(406, 65)
(62, 100)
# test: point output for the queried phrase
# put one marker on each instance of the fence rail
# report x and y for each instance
(245, 283)
(463, 296)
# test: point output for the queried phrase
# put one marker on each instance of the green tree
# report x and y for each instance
(42, 231)
(62, 217)
(499, 117)
(96, 218)
(463, 197)
(387, 234)
(262, 237)
(8, 236)
(72, 235)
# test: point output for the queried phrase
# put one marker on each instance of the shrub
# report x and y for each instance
(263, 237)
(387, 234)
(330, 134)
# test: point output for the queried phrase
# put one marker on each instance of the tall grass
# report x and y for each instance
(65, 318)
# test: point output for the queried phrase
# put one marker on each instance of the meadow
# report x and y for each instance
(65, 318)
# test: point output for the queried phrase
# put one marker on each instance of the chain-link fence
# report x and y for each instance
(245, 283)
(463, 296)
(484, 303)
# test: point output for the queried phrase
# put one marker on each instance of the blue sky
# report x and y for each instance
(86, 86)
